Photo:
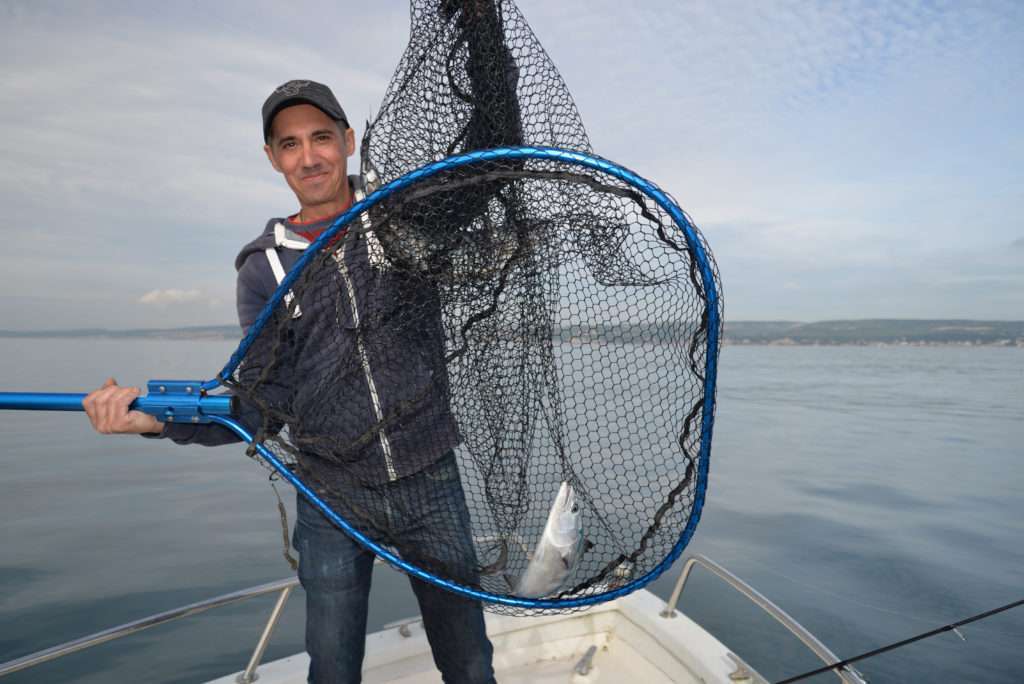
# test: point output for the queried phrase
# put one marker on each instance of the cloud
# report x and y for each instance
(171, 296)
(837, 147)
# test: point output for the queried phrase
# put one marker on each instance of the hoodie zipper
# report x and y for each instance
(281, 239)
(364, 359)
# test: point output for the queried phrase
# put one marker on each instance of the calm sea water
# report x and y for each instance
(873, 493)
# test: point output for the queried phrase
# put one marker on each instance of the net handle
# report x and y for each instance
(168, 400)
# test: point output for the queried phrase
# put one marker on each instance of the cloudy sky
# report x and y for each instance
(844, 160)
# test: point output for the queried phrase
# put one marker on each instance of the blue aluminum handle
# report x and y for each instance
(42, 401)
(168, 400)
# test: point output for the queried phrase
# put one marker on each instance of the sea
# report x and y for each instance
(873, 493)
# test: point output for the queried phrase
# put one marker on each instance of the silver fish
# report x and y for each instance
(557, 551)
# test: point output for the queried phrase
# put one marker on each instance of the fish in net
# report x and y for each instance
(499, 372)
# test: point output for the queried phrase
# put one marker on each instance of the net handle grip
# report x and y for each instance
(181, 401)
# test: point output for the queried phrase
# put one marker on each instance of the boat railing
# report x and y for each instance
(284, 587)
(848, 674)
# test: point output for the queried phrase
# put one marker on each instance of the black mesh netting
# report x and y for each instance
(473, 77)
(503, 342)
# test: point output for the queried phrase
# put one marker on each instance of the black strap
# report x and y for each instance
(284, 530)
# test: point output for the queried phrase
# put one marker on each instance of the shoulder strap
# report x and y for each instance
(278, 269)
(373, 247)
(275, 264)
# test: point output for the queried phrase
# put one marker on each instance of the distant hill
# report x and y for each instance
(877, 331)
(204, 332)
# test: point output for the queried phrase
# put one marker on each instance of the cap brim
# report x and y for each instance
(291, 102)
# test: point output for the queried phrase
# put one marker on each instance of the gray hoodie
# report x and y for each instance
(366, 350)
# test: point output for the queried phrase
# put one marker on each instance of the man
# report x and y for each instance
(308, 140)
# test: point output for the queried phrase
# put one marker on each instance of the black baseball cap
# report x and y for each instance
(301, 92)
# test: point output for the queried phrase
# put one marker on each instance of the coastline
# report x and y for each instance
(840, 333)
(786, 342)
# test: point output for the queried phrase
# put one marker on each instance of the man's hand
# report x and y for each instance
(108, 412)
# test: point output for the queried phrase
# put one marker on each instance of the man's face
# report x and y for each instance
(308, 148)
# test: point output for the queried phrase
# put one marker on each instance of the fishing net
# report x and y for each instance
(473, 77)
(484, 340)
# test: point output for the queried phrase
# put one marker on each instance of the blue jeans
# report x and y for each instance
(335, 571)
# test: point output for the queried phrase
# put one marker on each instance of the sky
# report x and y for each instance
(843, 159)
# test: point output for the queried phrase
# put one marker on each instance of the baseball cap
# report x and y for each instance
(301, 92)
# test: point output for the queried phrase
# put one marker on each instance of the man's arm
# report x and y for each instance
(107, 407)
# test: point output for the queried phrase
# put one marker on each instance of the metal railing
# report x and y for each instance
(848, 675)
(283, 587)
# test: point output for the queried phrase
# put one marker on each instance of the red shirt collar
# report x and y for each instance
(314, 233)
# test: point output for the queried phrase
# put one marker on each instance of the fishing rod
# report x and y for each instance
(952, 627)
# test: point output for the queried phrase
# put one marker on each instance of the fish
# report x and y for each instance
(560, 547)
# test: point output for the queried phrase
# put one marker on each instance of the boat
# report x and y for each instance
(636, 637)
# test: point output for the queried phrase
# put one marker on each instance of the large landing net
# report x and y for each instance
(499, 372)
